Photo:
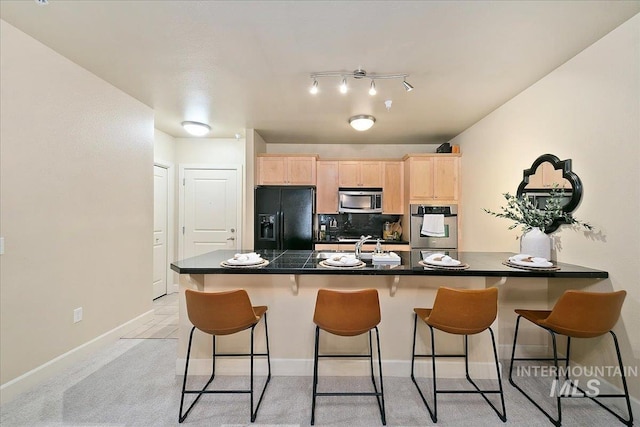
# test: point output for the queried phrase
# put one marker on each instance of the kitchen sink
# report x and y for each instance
(325, 255)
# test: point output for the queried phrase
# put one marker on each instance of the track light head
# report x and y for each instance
(314, 87)
(407, 86)
(343, 85)
(372, 89)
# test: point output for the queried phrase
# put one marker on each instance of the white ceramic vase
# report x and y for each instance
(536, 243)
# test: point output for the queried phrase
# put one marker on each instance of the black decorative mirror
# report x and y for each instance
(546, 173)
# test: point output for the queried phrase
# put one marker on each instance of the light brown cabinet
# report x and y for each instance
(360, 173)
(432, 178)
(327, 187)
(286, 170)
(392, 187)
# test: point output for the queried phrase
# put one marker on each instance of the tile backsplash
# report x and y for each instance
(354, 224)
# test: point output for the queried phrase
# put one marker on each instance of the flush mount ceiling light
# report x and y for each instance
(358, 74)
(362, 122)
(196, 128)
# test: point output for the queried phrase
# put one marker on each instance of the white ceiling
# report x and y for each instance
(246, 64)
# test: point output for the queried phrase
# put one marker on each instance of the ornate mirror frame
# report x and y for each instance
(567, 173)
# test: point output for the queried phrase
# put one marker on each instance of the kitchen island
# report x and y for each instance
(290, 281)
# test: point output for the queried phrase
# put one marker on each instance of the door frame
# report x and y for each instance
(239, 191)
(172, 277)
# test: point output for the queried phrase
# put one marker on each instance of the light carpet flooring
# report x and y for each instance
(133, 383)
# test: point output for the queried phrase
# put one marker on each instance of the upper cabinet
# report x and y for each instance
(432, 178)
(360, 173)
(286, 170)
(327, 187)
(392, 187)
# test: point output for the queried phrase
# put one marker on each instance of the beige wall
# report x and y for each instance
(164, 148)
(588, 111)
(76, 198)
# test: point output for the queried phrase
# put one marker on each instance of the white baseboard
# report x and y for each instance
(11, 389)
(304, 367)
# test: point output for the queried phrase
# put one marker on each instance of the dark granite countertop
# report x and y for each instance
(305, 262)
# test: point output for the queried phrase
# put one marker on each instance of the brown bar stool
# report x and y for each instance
(577, 314)
(348, 313)
(461, 312)
(224, 313)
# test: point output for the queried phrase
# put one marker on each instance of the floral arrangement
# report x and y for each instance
(523, 212)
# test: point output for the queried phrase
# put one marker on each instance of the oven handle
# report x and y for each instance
(422, 215)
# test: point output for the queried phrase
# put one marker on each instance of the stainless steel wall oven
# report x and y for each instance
(444, 217)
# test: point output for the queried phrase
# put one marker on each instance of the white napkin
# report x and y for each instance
(343, 260)
(250, 257)
(528, 259)
(432, 225)
(441, 259)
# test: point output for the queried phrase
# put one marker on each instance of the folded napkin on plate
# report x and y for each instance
(390, 257)
(251, 256)
(442, 259)
(432, 225)
(525, 258)
(344, 259)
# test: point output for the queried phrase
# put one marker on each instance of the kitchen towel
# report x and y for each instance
(433, 226)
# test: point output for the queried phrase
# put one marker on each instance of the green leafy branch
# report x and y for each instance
(524, 213)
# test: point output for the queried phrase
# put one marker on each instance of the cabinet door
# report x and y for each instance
(392, 188)
(327, 187)
(421, 178)
(348, 173)
(445, 178)
(370, 174)
(272, 170)
(301, 170)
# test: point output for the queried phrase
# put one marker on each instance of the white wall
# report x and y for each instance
(164, 155)
(76, 197)
(587, 110)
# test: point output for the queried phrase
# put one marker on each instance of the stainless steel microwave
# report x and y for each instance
(360, 200)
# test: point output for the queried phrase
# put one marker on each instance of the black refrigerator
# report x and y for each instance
(284, 217)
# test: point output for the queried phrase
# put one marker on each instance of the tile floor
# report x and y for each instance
(164, 323)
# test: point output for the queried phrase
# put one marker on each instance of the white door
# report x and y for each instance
(160, 215)
(211, 217)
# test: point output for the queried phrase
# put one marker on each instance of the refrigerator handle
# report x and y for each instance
(281, 233)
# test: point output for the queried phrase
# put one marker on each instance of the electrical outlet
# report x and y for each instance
(77, 315)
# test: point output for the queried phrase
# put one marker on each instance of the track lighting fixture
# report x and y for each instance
(407, 86)
(358, 74)
(314, 87)
(372, 89)
(196, 128)
(343, 85)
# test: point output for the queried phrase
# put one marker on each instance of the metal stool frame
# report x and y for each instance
(204, 390)
(434, 413)
(558, 421)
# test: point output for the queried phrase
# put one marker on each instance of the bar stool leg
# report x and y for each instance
(380, 398)
(181, 416)
(315, 377)
(413, 360)
(254, 413)
(628, 422)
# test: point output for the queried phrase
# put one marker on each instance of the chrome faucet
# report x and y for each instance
(359, 244)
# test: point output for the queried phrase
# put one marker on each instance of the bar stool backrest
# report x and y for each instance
(347, 313)
(464, 311)
(220, 313)
(581, 314)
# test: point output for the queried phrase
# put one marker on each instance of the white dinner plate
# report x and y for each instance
(343, 262)
(253, 261)
(452, 263)
(531, 264)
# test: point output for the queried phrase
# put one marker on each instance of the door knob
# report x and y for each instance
(231, 238)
